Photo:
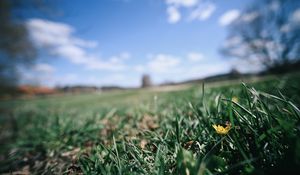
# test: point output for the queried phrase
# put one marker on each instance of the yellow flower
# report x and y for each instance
(235, 99)
(222, 130)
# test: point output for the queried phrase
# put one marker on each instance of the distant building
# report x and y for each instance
(35, 90)
(146, 81)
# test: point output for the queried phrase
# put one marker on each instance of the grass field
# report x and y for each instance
(154, 131)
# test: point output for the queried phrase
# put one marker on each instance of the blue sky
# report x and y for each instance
(115, 42)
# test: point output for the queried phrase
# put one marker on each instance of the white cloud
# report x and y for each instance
(228, 17)
(249, 17)
(232, 15)
(112, 79)
(186, 71)
(139, 68)
(202, 12)
(119, 59)
(163, 63)
(73, 53)
(296, 16)
(58, 38)
(49, 33)
(173, 14)
(44, 68)
(194, 9)
(85, 43)
(195, 57)
(125, 55)
(184, 3)
(205, 69)
(112, 65)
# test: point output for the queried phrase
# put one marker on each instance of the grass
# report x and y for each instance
(153, 132)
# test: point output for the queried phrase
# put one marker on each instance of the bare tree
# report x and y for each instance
(267, 32)
(15, 46)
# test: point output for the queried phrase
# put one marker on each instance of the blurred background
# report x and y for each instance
(149, 86)
(50, 47)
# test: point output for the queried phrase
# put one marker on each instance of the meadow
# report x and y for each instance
(154, 131)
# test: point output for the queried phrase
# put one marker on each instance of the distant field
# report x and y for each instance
(166, 130)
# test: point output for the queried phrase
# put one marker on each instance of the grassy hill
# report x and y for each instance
(157, 131)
